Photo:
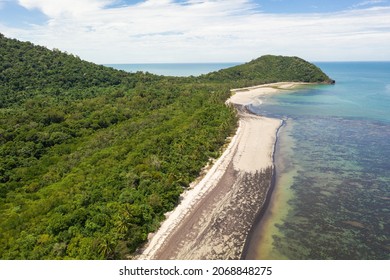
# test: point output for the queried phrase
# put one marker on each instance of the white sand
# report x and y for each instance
(258, 136)
(250, 149)
(252, 95)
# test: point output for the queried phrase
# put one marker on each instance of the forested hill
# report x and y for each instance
(270, 69)
(91, 158)
(26, 69)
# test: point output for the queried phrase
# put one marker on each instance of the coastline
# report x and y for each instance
(215, 217)
(263, 210)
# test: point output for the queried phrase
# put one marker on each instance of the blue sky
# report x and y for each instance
(293, 6)
(315, 6)
(134, 31)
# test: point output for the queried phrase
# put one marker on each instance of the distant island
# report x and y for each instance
(92, 158)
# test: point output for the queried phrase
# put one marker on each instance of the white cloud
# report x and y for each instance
(205, 30)
(55, 8)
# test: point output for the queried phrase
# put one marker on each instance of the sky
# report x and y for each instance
(190, 31)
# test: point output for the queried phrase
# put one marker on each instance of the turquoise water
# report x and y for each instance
(174, 69)
(332, 194)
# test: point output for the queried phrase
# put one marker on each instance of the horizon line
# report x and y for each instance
(233, 62)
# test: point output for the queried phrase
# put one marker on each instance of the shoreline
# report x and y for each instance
(215, 217)
(263, 210)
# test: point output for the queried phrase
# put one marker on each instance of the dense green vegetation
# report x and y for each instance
(91, 157)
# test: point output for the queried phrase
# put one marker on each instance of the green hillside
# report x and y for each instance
(91, 158)
(270, 69)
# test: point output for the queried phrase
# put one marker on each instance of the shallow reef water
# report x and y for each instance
(340, 208)
(333, 169)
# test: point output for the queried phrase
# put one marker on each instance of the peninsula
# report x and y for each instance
(92, 158)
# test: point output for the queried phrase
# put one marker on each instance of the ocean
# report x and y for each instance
(174, 69)
(332, 193)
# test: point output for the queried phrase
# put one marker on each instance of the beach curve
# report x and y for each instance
(216, 214)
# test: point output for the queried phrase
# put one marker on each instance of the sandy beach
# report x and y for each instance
(215, 215)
